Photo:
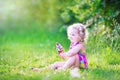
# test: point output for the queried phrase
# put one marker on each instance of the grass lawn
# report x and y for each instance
(22, 48)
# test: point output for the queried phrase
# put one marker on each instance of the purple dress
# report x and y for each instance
(82, 56)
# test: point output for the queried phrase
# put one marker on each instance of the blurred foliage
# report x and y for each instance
(52, 12)
(89, 10)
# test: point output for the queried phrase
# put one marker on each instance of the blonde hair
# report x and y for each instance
(81, 31)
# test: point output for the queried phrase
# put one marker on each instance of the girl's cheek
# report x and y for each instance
(70, 38)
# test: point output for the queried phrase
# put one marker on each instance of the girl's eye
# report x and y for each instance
(72, 34)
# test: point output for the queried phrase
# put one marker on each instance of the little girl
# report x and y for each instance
(75, 56)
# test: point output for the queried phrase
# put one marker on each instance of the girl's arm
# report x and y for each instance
(73, 51)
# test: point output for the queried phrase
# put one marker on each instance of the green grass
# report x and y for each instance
(22, 48)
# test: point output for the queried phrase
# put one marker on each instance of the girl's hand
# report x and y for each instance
(61, 52)
(63, 55)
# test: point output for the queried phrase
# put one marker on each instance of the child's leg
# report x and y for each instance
(72, 61)
(52, 66)
(77, 63)
(56, 65)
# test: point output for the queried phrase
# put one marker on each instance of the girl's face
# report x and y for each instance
(73, 35)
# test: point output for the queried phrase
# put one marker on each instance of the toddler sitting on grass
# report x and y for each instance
(75, 57)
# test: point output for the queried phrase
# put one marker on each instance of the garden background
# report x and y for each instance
(29, 30)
